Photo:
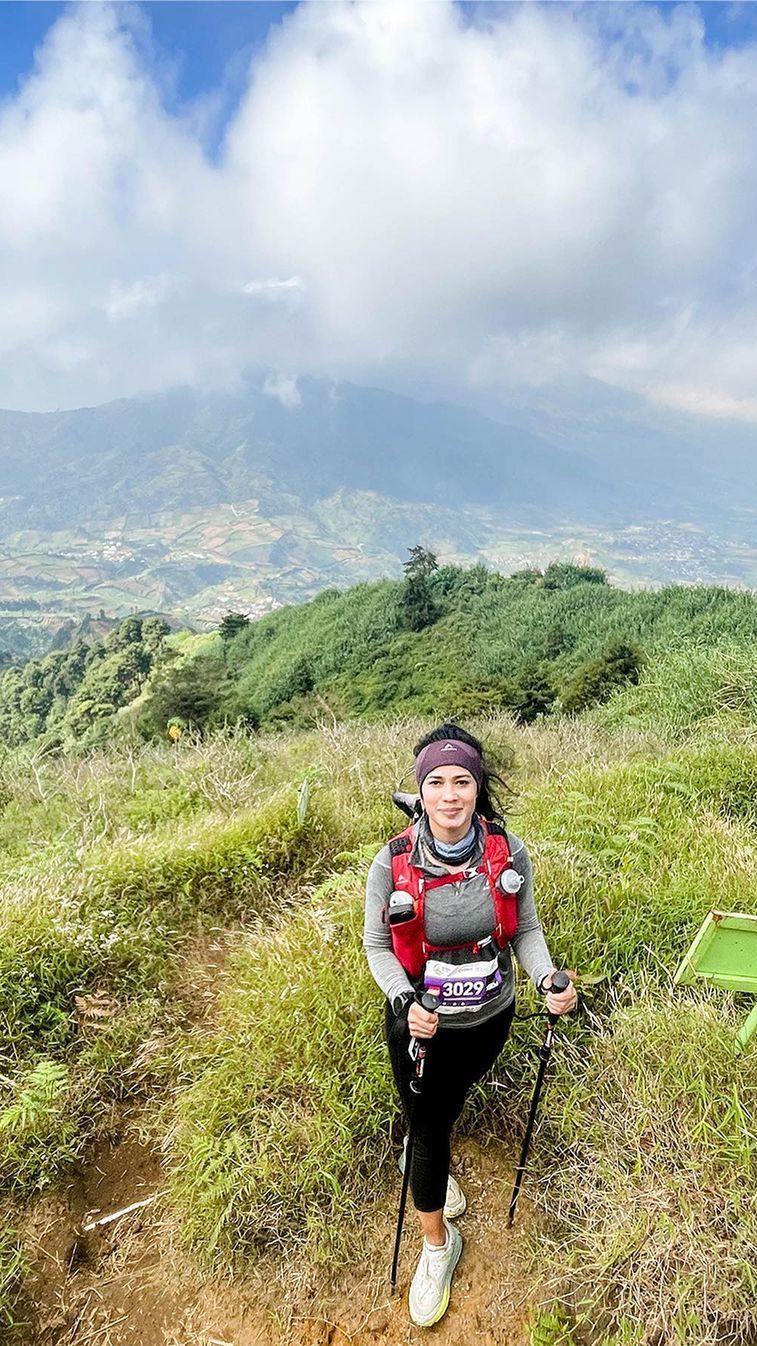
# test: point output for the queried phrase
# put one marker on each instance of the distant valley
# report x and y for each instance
(193, 505)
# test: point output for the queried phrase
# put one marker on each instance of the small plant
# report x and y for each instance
(12, 1268)
(550, 1327)
(36, 1134)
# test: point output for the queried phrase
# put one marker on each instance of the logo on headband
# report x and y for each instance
(448, 747)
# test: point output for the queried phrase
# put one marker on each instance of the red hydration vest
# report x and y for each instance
(409, 937)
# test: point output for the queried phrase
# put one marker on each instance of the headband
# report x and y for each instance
(448, 752)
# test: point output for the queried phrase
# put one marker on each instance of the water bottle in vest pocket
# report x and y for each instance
(406, 924)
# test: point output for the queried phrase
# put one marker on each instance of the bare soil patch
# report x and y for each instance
(125, 1284)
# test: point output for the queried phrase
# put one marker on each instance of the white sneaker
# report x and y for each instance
(429, 1292)
(454, 1202)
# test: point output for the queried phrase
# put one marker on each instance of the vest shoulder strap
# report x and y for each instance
(400, 845)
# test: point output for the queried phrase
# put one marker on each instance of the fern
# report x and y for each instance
(36, 1098)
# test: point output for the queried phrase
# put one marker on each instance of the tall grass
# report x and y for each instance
(113, 922)
(657, 1174)
(280, 1139)
(629, 856)
(688, 684)
(143, 849)
(278, 1123)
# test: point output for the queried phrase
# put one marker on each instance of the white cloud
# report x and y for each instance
(272, 285)
(701, 401)
(290, 293)
(282, 388)
(128, 301)
(544, 193)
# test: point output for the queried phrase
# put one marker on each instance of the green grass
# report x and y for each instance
(114, 917)
(278, 1119)
(13, 1266)
(654, 1126)
(629, 855)
(142, 851)
(280, 1140)
(691, 684)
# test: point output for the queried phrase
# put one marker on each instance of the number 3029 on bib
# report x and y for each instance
(462, 986)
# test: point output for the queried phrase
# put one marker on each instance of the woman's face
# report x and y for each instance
(449, 798)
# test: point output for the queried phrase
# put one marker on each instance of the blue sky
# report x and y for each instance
(206, 45)
(203, 36)
(535, 202)
(206, 37)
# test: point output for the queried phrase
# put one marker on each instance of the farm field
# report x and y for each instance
(196, 564)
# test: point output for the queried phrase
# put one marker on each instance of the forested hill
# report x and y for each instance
(445, 641)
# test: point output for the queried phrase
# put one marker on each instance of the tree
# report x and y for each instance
(296, 678)
(564, 575)
(232, 624)
(190, 692)
(422, 562)
(557, 640)
(530, 694)
(154, 632)
(418, 608)
(128, 632)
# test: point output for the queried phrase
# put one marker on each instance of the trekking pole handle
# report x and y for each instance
(560, 982)
(428, 1002)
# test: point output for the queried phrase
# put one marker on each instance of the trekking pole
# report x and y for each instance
(418, 1049)
(560, 982)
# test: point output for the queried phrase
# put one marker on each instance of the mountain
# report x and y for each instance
(711, 461)
(183, 450)
(194, 502)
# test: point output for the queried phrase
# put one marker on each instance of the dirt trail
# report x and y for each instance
(125, 1284)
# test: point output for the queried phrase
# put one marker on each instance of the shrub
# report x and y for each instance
(620, 663)
(564, 575)
(190, 691)
(530, 694)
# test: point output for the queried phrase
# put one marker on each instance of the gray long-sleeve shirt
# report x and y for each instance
(455, 913)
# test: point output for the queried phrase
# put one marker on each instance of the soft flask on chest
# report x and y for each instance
(510, 881)
(401, 908)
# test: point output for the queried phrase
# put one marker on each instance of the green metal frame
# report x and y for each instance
(724, 953)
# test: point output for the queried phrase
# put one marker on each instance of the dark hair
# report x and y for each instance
(487, 802)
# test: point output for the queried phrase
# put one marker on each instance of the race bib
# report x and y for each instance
(462, 986)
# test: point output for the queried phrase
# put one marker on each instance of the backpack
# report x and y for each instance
(409, 942)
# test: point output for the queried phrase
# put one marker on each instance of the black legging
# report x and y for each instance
(455, 1059)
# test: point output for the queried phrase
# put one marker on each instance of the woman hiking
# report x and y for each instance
(446, 902)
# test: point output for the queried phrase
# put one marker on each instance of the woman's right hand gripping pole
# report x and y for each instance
(421, 1020)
